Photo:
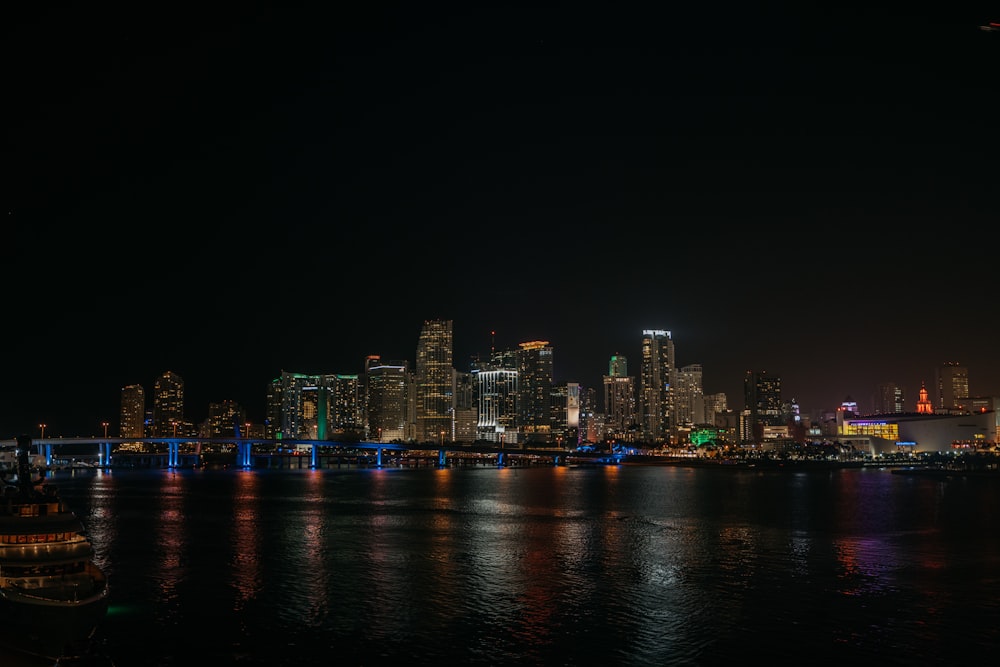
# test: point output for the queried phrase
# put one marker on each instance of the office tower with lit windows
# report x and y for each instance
(433, 378)
(713, 405)
(496, 396)
(656, 381)
(224, 418)
(133, 412)
(762, 405)
(566, 414)
(952, 382)
(299, 406)
(889, 399)
(620, 415)
(534, 389)
(386, 400)
(168, 405)
(464, 390)
(272, 408)
(345, 413)
(688, 397)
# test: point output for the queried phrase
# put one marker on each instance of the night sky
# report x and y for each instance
(229, 192)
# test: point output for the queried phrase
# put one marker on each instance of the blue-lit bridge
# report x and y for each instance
(248, 448)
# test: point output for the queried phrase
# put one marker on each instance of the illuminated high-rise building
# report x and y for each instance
(565, 406)
(496, 397)
(620, 415)
(272, 408)
(656, 379)
(224, 418)
(688, 396)
(889, 399)
(762, 405)
(952, 382)
(345, 412)
(133, 412)
(433, 377)
(386, 400)
(534, 391)
(168, 405)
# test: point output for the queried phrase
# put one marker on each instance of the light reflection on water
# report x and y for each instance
(615, 565)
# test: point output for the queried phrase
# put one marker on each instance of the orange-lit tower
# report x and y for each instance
(924, 406)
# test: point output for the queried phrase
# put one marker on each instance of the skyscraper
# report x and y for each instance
(534, 389)
(763, 407)
(952, 382)
(496, 391)
(386, 400)
(133, 412)
(688, 396)
(889, 400)
(168, 405)
(620, 415)
(433, 377)
(656, 380)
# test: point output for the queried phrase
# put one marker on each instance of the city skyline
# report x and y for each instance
(268, 189)
(197, 399)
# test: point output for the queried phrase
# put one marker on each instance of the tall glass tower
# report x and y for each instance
(656, 382)
(433, 376)
(168, 405)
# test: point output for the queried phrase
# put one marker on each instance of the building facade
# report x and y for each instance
(168, 406)
(433, 381)
(656, 382)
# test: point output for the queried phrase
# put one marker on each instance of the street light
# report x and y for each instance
(174, 422)
(42, 426)
(105, 425)
(442, 439)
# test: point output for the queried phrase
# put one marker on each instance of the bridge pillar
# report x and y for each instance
(442, 459)
(314, 457)
(378, 457)
(105, 454)
(499, 459)
(47, 451)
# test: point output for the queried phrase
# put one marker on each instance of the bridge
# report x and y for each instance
(245, 449)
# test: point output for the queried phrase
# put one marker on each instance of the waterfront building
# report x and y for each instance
(922, 432)
(433, 377)
(534, 390)
(497, 407)
(763, 407)
(272, 408)
(889, 399)
(688, 403)
(591, 422)
(565, 406)
(345, 413)
(133, 412)
(620, 415)
(656, 386)
(924, 406)
(386, 404)
(714, 404)
(465, 410)
(223, 419)
(299, 406)
(952, 384)
(168, 405)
